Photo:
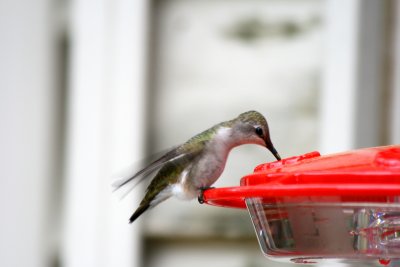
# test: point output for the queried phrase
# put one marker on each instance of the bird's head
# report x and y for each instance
(252, 128)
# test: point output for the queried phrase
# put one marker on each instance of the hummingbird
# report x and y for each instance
(187, 170)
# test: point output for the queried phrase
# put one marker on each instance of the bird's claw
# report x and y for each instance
(200, 198)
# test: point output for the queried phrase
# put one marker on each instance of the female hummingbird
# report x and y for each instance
(192, 167)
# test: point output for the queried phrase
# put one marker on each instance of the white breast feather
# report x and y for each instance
(179, 190)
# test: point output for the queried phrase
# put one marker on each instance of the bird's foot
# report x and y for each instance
(200, 198)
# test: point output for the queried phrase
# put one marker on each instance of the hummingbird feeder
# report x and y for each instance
(312, 207)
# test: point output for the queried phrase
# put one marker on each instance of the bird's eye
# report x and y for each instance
(259, 131)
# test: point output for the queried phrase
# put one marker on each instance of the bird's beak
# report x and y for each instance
(271, 148)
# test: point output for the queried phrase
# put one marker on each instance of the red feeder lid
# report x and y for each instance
(364, 174)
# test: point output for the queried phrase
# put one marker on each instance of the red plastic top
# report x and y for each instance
(359, 175)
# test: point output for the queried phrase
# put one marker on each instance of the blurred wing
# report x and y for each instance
(150, 168)
(185, 152)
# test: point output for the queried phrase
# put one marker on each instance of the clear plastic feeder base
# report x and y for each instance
(313, 229)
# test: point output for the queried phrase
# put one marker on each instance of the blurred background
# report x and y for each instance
(88, 87)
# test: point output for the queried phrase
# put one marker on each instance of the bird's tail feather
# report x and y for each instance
(139, 211)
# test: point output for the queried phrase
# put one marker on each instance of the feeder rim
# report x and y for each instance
(234, 197)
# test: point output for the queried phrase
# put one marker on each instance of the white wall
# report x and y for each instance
(395, 95)
(28, 113)
(353, 90)
(105, 130)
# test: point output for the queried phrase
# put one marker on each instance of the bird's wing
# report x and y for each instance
(173, 154)
(151, 167)
(169, 173)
